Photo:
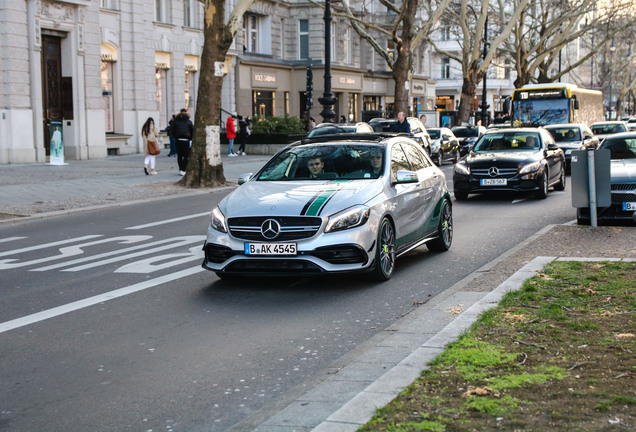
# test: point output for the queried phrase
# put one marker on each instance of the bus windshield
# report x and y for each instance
(537, 112)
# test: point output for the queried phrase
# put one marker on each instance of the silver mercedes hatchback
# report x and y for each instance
(332, 204)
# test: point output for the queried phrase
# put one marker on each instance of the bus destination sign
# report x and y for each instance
(542, 94)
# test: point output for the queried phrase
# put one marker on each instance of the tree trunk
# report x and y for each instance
(401, 79)
(205, 168)
(469, 89)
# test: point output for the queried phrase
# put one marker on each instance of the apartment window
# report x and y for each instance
(445, 31)
(303, 39)
(191, 13)
(283, 53)
(347, 46)
(161, 88)
(334, 38)
(286, 95)
(445, 68)
(190, 91)
(250, 25)
(162, 11)
(107, 95)
(109, 4)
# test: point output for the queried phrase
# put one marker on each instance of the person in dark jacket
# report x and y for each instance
(402, 124)
(173, 142)
(244, 132)
(182, 129)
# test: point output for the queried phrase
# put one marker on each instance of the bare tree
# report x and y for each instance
(548, 27)
(406, 31)
(204, 166)
(470, 16)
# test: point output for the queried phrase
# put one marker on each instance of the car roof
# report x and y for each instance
(628, 134)
(362, 138)
(513, 130)
(611, 122)
(560, 125)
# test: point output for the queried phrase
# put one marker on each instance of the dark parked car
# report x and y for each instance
(418, 130)
(444, 145)
(622, 149)
(522, 160)
(467, 136)
(573, 136)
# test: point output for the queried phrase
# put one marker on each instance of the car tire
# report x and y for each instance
(560, 186)
(456, 157)
(542, 193)
(460, 196)
(444, 230)
(385, 252)
(440, 158)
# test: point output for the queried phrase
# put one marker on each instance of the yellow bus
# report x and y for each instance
(544, 104)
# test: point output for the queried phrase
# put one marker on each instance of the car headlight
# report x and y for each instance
(462, 168)
(534, 166)
(349, 218)
(435, 145)
(217, 221)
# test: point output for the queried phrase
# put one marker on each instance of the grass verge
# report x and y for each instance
(559, 354)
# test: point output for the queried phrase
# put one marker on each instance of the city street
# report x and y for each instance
(108, 322)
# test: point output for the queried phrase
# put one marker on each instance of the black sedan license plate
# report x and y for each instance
(629, 206)
(270, 248)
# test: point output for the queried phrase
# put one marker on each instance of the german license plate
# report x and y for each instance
(270, 248)
(494, 182)
(629, 206)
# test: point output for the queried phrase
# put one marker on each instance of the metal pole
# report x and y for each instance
(327, 100)
(484, 94)
(591, 174)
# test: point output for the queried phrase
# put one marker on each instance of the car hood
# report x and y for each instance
(623, 170)
(570, 144)
(502, 158)
(294, 198)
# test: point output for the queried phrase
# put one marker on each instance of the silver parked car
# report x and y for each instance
(348, 203)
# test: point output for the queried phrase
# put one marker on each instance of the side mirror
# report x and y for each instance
(244, 178)
(576, 104)
(405, 176)
(553, 146)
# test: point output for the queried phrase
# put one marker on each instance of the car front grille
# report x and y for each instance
(485, 172)
(291, 228)
(624, 192)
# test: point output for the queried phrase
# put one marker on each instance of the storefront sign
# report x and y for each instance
(264, 79)
(346, 82)
(419, 88)
(162, 60)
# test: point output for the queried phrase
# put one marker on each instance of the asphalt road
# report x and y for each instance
(108, 322)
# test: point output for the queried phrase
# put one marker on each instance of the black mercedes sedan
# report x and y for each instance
(519, 159)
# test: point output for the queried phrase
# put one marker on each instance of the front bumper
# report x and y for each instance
(344, 251)
(519, 183)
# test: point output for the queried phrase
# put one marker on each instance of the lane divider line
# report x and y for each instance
(167, 221)
(91, 301)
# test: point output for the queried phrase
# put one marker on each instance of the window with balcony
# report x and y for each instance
(446, 72)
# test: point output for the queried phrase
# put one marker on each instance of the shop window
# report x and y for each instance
(371, 103)
(161, 88)
(190, 92)
(286, 95)
(107, 95)
(352, 109)
(263, 103)
(303, 39)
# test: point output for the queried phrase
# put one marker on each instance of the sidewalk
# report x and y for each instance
(40, 188)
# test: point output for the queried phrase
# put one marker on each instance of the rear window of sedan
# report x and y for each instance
(605, 129)
(565, 133)
(506, 142)
(464, 132)
(325, 162)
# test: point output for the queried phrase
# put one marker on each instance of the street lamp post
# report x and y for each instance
(327, 100)
(612, 49)
(484, 94)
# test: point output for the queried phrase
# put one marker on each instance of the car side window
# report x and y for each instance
(398, 161)
(415, 156)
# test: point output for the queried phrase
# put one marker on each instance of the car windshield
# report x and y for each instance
(327, 130)
(620, 148)
(434, 133)
(325, 162)
(605, 129)
(507, 142)
(463, 132)
(565, 133)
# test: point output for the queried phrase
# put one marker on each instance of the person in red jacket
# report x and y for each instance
(231, 134)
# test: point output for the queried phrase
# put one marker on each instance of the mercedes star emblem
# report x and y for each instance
(270, 229)
(493, 172)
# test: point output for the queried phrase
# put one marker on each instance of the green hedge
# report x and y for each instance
(273, 130)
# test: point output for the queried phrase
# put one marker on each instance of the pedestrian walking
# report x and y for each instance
(150, 136)
(182, 130)
(244, 132)
(230, 129)
(312, 124)
(173, 141)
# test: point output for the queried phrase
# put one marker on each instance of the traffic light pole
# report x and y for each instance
(309, 93)
(484, 94)
(327, 100)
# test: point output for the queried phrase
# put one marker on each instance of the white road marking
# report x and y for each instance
(147, 249)
(8, 239)
(69, 251)
(167, 221)
(47, 245)
(519, 200)
(161, 262)
(91, 301)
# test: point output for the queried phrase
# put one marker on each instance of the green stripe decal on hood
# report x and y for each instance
(318, 202)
